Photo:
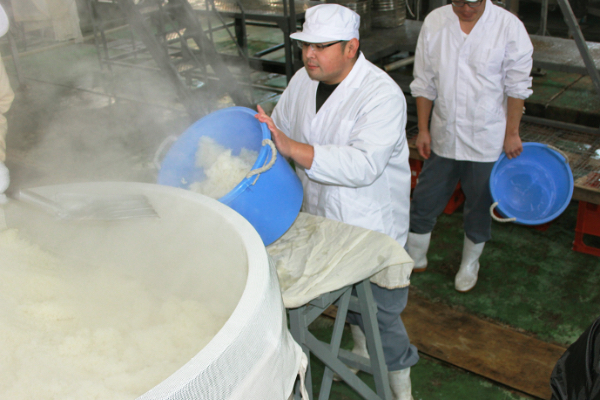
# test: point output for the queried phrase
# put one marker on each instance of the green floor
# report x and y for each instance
(530, 280)
(431, 380)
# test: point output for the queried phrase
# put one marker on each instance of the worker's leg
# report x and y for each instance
(475, 183)
(435, 186)
(398, 351)
(475, 178)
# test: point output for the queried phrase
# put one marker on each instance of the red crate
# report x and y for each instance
(458, 197)
(415, 170)
(588, 223)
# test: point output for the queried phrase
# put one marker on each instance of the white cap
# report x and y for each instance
(3, 22)
(328, 22)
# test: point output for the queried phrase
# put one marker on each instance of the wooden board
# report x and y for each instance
(495, 352)
(498, 353)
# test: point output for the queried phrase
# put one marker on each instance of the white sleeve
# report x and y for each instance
(422, 85)
(280, 113)
(375, 135)
(518, 63)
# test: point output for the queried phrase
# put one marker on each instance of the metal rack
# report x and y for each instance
(281, 14)
(177, 38)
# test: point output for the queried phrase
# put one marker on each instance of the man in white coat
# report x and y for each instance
(472, 66)
(6, 99)
(342, 121)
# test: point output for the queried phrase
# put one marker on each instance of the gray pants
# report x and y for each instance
(435, 186)
(398, 352)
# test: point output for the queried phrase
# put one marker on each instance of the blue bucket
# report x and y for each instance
(533, 188)
(270, 201)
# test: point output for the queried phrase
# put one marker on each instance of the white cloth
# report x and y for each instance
(318, 255)
(469, 80)
(4, 25)
(6, 98)
(4, 182)
(360, 173)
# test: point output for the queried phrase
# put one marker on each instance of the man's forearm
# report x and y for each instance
(424, 107)
(302, 154)
(514, 114)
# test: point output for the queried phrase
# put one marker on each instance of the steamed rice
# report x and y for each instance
(223, 170)
(77, 331)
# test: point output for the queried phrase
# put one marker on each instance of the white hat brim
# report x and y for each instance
(308, 38)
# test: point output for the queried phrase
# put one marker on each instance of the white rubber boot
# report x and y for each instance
(466, 278)
(360, 347)
(360, 343)
(400, 384)
(417, 245)
(4, 182)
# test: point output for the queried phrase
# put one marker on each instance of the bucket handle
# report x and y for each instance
(269, 164)
(498, 218)
(158, 156)
(559, 151)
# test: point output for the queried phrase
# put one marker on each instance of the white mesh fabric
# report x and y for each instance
(253, 356)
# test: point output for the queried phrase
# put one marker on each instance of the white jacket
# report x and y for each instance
(469, 79)
(360, 173)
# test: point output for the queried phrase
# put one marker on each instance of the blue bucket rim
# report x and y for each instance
(260, 160)
(563, 162)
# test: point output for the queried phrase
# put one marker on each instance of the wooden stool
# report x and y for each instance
(337, 360)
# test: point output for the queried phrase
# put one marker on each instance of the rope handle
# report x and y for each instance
(268, 166)
(498, 218)
(158, 155)
(562, 153)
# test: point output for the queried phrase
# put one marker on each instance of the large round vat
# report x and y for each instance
(198, 250)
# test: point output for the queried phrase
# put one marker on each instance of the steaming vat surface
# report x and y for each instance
(200, 251)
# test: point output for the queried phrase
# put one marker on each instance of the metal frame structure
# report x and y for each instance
(357, 298)
(281, 14)
(582, 46)
(184, 50)
(176, 40)
(581, 43)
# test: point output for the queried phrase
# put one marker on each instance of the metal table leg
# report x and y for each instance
(335, 359)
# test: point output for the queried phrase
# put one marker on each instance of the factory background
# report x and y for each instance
(97, 98)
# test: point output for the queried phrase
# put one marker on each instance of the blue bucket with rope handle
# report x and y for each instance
(533, 188)
(269, 197)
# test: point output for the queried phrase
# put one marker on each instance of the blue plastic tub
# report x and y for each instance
(270, 201)
(533, 188)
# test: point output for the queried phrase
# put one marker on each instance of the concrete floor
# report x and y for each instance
(73, 122)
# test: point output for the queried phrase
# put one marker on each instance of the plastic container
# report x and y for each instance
(533, 188)
(270, 201)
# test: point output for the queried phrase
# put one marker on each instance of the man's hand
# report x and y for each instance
(424, 144)
(282, 142)
(512, 145)
(302, 153)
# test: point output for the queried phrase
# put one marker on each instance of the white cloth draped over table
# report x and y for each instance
(319, 255)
